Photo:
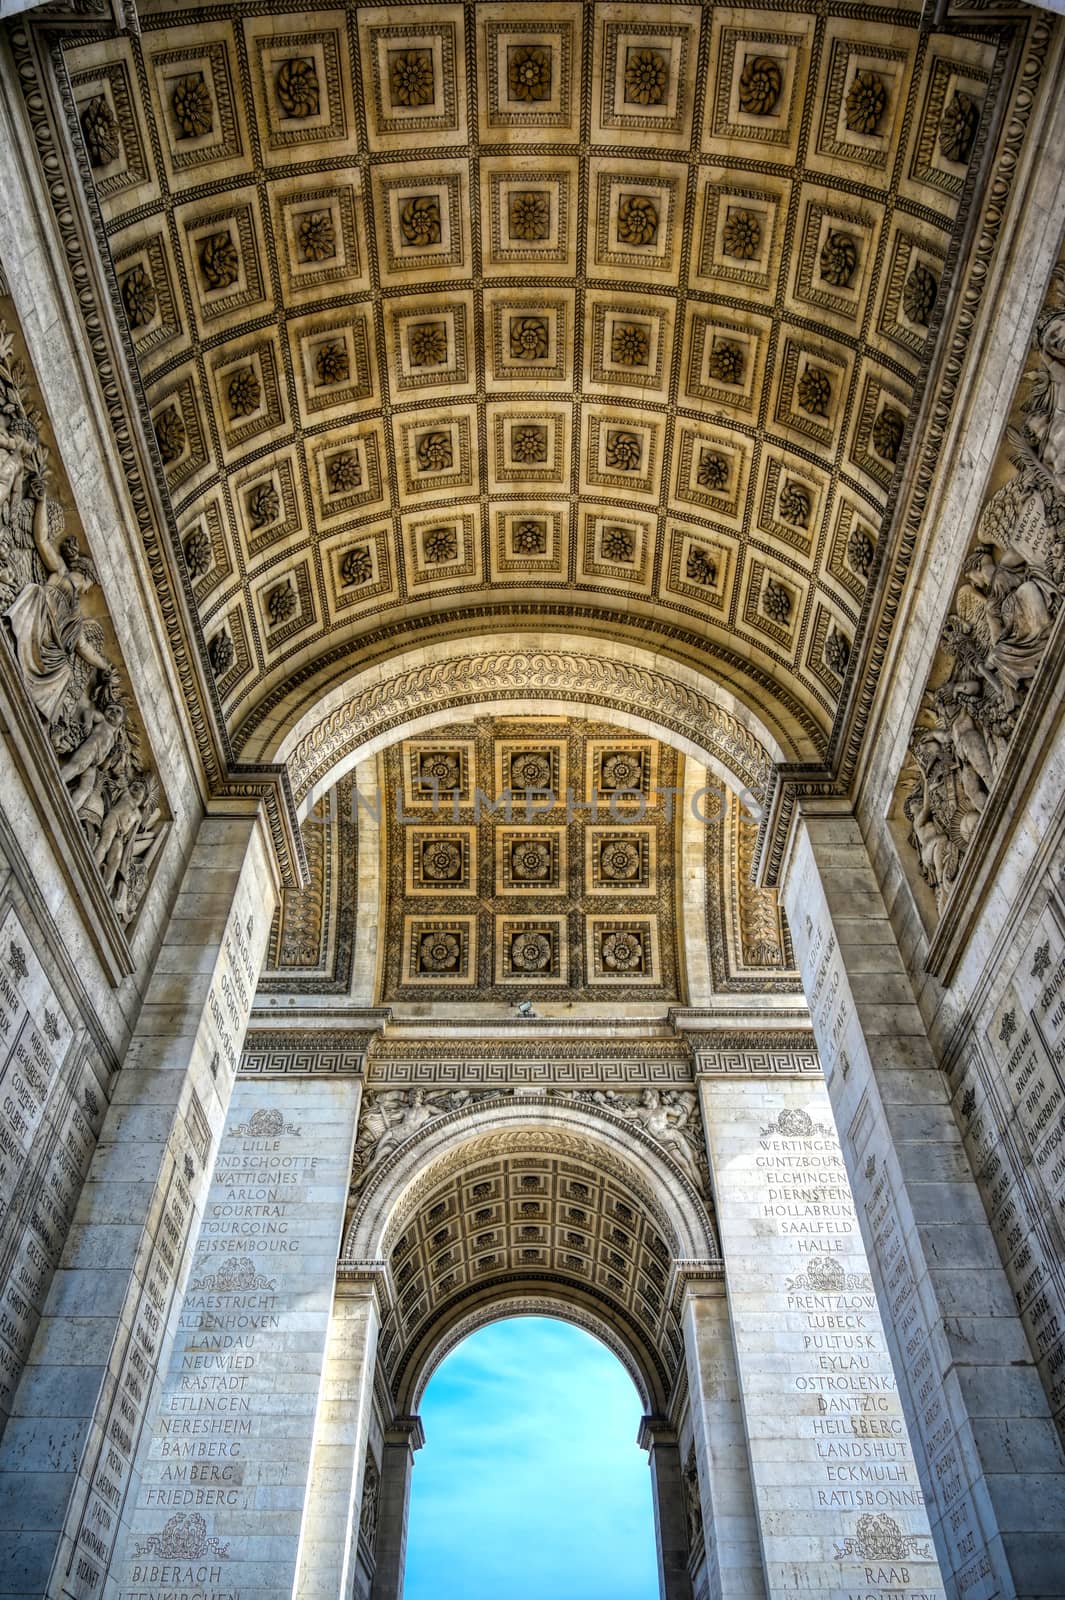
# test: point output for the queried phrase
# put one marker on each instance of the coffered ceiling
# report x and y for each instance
(611, 316)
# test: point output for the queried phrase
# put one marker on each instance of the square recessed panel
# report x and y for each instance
(318, 226)
(812, 382)
(530, 208)
(108, 115)
(740, 231)
(358, 567)
(533, 772)
(437, 773)
(529, 444)
(623, 773)
(617, 547)
(712, 470)
(701, 566)
(222, 258)
(755, 91)
(246, 385)
(441, 547)
(531, 950)
(414, 74)
(146, 289)
(529, 342)
(300, 78)
(434, 452)
(629, 343)
(332, 358)
(636, 217)
(879, 425)
(284, 605)
(345, 467)
(193, 83)
(267, 502)
(835, 256)
(621, 452)
(529, 540)
(530, 861)
(619, 860)
(420, 216)
(439, 950)
(530, 72)
(429, 343)
(774, 602)
(441, 861)
(645, 59)
(951, 115)
(911, 289)
(622, 950)
(792, 499)
(724, 359)
(865, 95)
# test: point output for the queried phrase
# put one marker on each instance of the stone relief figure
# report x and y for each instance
(62, 657)
(996, 636)
(669, 1116)
(393, 1116)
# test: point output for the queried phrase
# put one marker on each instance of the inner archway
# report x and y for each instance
(530, 1481)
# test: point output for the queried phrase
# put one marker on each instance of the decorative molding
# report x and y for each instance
(530, 675)
(304, 1053)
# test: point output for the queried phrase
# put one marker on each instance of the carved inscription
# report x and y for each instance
(819, 1391)
(239, 1398)
(46, 1140)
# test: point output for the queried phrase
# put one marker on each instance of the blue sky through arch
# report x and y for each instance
(531, 1483)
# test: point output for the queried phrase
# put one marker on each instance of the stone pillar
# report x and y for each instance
(658, 1438)
(836, 1490)
(401, 1440)
(111, 1311)
(225, 1471)
(990, 1460)
(730, 1526)
(334, 1496)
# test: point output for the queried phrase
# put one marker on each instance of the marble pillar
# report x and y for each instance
(224, 1472)
(109, 1319)
(729, 1524)
(331, 1514)
(990, 1460)
(838, 1500)
(659, 1439)
(401, 1440)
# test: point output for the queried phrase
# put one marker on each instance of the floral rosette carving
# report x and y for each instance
(637, 219)
(356, 567)
(297, 88)
(761, 82)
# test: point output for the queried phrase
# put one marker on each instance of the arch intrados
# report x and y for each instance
(534, 1300)
(460, 1139)
(408, 694)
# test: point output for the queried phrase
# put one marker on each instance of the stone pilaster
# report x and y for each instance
(401, 1440)
(225, 1470)
(658, 1438)
(730, 1526)
(334, 1496)
(79, 1413)
(990, 1460)
(839, 1504)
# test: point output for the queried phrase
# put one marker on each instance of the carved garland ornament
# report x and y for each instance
(532, 675)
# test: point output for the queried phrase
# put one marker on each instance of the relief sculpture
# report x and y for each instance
(1004, 612)
(63, 658)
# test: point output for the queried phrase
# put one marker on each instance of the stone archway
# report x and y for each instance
(517, 1204)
